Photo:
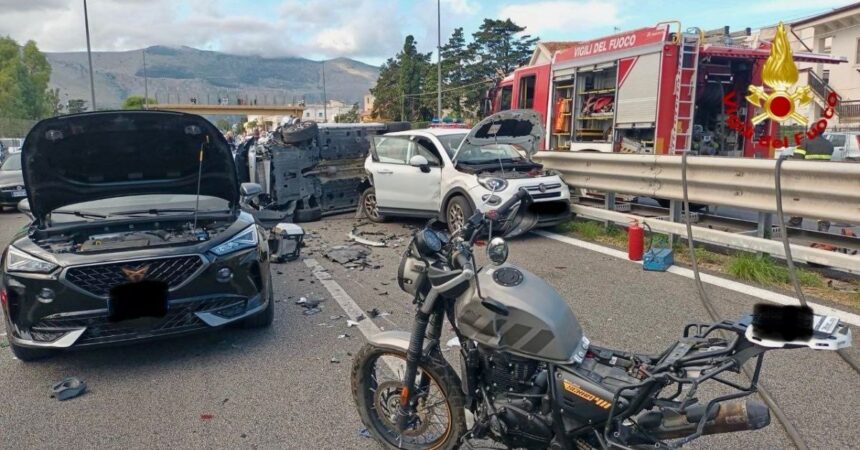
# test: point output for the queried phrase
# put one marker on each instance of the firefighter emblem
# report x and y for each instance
(779, 74)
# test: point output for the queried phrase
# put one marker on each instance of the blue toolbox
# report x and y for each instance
(658, 259)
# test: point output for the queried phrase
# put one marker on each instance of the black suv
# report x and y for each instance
(137, 233)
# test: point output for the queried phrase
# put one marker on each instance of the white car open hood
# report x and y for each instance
(517, 126)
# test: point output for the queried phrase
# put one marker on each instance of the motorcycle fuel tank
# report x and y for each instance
(539, 323)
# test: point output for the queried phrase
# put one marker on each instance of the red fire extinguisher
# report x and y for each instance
(635, 241)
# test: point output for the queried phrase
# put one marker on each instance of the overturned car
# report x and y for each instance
(308, 170)
(137, 233)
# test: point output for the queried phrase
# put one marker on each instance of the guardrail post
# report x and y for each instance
(675, 209)
(608, 204)
(763, 226)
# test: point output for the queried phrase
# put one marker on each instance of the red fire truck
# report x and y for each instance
(651, 90)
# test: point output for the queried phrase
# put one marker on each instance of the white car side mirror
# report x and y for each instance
(420, 162)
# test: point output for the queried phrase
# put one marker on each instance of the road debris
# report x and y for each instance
(68, 388)
(344, 336)
(453, 342)
(351, 323)
(207, 417)
(334, 360)
(356, 236)
(337, 317)
(311, 306)
(375, 312)
(364, 433)
(345, 254)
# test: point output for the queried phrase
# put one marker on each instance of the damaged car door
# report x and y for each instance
(406, 176)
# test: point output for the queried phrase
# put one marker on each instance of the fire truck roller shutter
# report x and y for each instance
(636, 100)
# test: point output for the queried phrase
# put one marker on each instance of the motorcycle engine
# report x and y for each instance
(518, 393)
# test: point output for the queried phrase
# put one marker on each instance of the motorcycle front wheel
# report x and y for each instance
(439, 420)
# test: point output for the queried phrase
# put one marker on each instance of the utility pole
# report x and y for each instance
(439, 58)
(90, 58)
(145, 82)
(325, 110)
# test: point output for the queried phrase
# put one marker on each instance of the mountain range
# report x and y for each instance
(183, 73)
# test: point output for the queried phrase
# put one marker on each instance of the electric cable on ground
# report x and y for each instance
(790, 260)
(789, 427)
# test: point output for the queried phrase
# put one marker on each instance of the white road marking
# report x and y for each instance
(731, 285)
(349, 306)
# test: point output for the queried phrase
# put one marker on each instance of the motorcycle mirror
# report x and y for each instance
(497, 251)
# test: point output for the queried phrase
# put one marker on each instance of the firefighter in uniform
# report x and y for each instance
(816, 149)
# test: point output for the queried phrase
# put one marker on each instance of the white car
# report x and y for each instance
(846, 145)
(451, 173)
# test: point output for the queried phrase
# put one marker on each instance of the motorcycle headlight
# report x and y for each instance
(246, 238)
(493, 184)
(18, 261)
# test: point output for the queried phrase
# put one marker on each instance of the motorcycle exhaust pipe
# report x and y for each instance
(740, 415)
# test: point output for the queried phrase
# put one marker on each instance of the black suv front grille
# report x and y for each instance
(99, 279)
(180, 318)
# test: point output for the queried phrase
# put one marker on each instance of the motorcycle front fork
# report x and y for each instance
(426, 326)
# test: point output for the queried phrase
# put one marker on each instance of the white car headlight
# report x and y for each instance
(493, 184)
(18, 261)
(244, 239)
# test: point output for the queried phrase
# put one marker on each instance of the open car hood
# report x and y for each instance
(91, 156)
(517, 126)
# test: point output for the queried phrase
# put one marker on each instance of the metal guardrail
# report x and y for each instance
(735, 241)
(819, 190)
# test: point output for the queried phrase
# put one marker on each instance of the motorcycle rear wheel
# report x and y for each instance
(376, 385)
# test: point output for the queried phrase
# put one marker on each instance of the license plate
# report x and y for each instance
(21, 193)
(135, 300)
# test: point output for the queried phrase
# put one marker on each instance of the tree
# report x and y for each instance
(456, 59)
(24, 77)
(222, 124)
(499, 47)
(136, 102)
(350, 116)
(401, 81)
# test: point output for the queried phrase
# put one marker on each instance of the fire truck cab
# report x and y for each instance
(649, 90)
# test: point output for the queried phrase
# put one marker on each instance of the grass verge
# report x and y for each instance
(744, 266)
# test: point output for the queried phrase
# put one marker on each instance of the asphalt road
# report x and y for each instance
(278, 388)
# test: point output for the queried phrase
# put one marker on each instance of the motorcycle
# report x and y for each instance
(528, 375)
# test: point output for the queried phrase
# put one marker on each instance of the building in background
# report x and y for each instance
(367, 108)
(835, 33)
(317, 113)
(545, 49)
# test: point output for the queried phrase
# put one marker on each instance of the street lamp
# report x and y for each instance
(145, 82)
(439, 58)
(90, 57)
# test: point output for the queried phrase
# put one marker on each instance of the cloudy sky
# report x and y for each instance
(367, 30)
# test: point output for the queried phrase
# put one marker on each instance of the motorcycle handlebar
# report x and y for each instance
(463, 262)
(505, 207)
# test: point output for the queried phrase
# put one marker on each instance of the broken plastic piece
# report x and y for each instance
(355, 237)
(364, 433)
(453, 342)
(68, 388)
(351, 323)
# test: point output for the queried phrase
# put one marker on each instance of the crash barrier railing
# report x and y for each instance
(817, 190)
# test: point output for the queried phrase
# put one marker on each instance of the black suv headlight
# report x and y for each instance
(18, 261)
(246, 238)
